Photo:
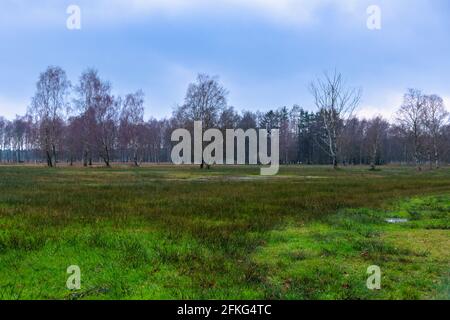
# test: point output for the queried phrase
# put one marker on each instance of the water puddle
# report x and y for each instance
(395, 220)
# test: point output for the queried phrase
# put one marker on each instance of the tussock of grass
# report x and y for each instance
(328, 260)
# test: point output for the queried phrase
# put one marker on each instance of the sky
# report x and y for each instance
(265, 52)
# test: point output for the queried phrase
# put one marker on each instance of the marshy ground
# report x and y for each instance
(165, 232)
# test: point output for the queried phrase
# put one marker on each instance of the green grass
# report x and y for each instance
(165, 232)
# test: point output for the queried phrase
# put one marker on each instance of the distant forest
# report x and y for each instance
(85, 123)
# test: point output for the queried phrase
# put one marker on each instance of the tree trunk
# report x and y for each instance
(49, 159)
(416, 152)
(417, 160)
(374, 158)
(85, 158)
(436, 154)
(54, 155)
(430, 160)
(135, 158)
(335, 162)
(106, 157)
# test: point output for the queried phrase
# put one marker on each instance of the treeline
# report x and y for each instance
(86, 123)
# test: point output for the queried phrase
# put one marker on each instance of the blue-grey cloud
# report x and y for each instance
(266, 51)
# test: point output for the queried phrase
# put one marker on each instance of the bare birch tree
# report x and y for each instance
(205, 100)
(47, 108)
(376, 128)
(435, 117)
(131, 120)
(100, 113)
(335, 103)
(3, 124)
(411, 118)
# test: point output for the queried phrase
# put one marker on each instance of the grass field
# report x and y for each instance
(166, 232)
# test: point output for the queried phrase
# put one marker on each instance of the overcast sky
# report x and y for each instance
(265, 51)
